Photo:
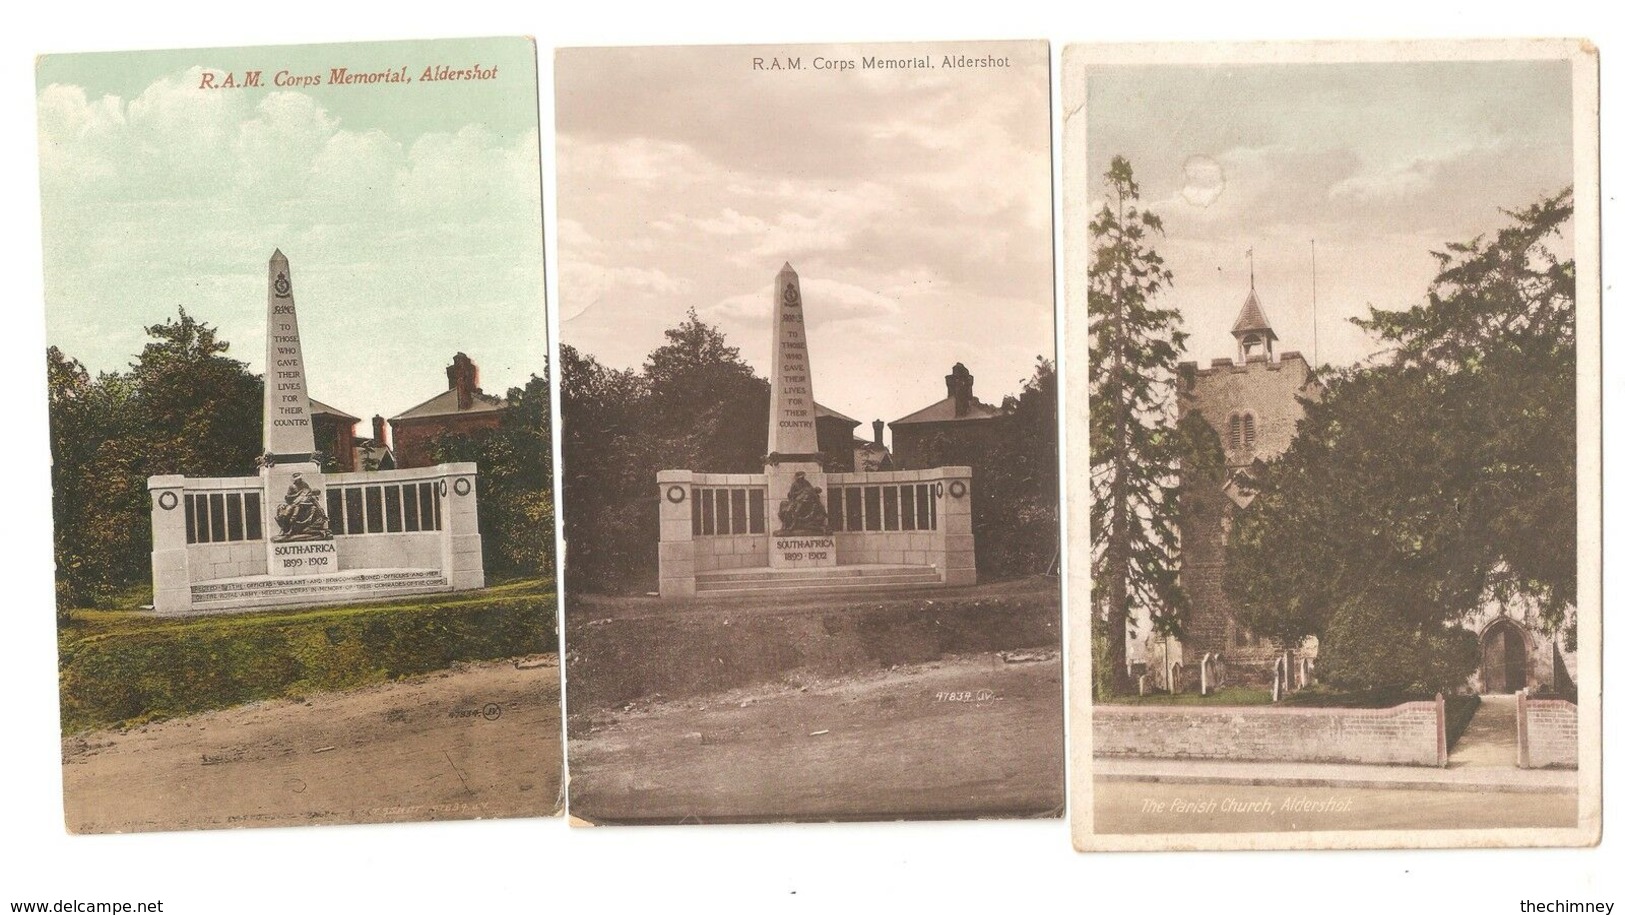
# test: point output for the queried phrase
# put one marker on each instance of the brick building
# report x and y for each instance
(461, 409)
(951, 431)
(834, 438)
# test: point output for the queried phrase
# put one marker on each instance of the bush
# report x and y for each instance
(1367, 648)
(149, 670)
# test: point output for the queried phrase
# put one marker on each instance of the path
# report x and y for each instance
(964, 737)
(480, 740)
(1491, 737)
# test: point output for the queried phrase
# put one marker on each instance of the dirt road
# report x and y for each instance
(965, 736)
(480, 740)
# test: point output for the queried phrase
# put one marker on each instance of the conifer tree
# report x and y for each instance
(1134, 441)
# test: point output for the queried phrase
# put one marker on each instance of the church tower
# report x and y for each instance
(1252, 402)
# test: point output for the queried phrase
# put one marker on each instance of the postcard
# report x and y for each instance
(809, 433)
(1336, 577)
(299, 410)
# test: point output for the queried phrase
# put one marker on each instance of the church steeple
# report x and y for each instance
(1254, 336)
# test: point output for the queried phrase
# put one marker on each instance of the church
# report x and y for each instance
(1253, 401)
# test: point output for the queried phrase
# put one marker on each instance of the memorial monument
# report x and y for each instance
(296, 536)
(797, 527)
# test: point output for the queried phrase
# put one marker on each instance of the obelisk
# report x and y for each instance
(792, 438)
(298, 536)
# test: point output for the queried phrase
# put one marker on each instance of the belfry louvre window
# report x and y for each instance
(1243, 431)
(223, 517)
(385, 509)
(905, 507)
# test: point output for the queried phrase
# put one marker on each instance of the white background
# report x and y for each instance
(544, 865)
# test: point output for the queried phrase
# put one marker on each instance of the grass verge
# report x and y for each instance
(623, 649)
(123, 667)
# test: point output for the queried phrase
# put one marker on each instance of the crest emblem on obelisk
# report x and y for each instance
(282, 286)
(792, 295)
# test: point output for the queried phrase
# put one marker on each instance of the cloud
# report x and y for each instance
(177, 195)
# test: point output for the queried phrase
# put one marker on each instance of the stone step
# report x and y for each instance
(866, 583)
(306, 590)
(762, 573)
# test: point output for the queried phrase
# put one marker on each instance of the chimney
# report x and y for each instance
(960, 381)
(463, 376)
(379, 432)
(880, 434)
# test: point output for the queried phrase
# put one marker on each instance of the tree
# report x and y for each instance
(1134, 445)
(182, 407)
(201, 411)
(516, 481)
(1015, 514)
(611, 531)
(695, 404)
(706, 406)
(1378, 536)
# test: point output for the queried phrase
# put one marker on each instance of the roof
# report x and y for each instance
(1252, 318)
(445, 404)
(943, 412)
(822, 412)
(317, 408)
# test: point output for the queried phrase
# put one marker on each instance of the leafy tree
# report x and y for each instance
(1134, 445)
(516, 481)
(611, 529)
(706, 406)
(201, 411)
(1380, 536)
(183, 407)
(1015, 514)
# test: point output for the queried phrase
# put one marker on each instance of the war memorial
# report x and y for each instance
(294, 535)
(795, 526)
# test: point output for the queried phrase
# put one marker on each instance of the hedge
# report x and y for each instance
(146, 669)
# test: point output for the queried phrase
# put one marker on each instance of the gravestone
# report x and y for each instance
(795, 471)
(301, 540)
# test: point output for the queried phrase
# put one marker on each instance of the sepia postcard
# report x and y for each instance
(809, 433)
(301, 464)
(1333, 343)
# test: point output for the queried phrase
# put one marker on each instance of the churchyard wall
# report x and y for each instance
(1411, 733)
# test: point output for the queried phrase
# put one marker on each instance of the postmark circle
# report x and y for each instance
(491, 711)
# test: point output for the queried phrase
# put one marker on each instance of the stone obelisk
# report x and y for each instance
(298, 536)
(792, 439)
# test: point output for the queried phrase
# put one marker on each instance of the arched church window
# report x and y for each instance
(1249, 431)
(1235, 432)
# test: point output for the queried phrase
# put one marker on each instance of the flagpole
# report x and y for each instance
(1314, 304)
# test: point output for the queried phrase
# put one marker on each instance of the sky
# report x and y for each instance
(1378, 164)
(914, 204)
(410, 213)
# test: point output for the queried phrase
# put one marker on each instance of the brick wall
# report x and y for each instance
(1406, 734)
(415, 438)
(1548, 734)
